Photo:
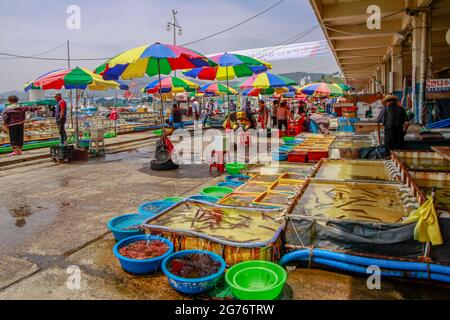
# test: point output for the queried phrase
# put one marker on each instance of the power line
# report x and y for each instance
(40, 54)
(236, 25)
(50, 59)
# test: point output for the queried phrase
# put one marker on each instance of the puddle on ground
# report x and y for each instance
(20, 214)
(18, 224)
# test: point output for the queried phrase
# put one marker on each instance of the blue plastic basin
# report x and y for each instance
(230, 184)
(240, 178)
(141, 266)
(118, 224)
(154, 208)
(193, 286)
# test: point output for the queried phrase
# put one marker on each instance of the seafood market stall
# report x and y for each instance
(235, 233)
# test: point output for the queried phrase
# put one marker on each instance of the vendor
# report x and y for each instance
(61, 116)
(395, 123)
(14, 118)
(263, 112)
(177, 118)
(273, 113)
(249, 115)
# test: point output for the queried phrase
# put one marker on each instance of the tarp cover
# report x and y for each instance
(377, 239)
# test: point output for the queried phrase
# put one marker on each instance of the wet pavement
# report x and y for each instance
(53, 219)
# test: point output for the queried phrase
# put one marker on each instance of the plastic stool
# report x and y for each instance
(219, 163)
(245, 139)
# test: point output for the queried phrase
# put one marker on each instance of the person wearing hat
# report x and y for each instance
(395, 121)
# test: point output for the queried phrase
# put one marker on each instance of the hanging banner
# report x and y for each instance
(292, 51)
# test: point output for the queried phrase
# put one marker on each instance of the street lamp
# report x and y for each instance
(176, 28)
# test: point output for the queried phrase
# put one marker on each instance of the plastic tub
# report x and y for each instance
(256, 278)
(237, 178)
(256, 286)
(292, 142)
(287, 139)
(118, 224)
(218, 192)
(193, 286)
(203, 198)
(235, 168)
(154, 207)
(174, 199)
(141, 266)
(230, 184)
(279, 156)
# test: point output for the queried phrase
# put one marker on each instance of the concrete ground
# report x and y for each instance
(53, 225)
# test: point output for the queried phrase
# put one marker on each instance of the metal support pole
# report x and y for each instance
(423, 65)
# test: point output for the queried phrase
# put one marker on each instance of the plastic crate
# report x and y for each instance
(316, 156)
(62, 153)
(298, 156)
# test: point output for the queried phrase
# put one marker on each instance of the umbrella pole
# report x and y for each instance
(77, 131)
(115, 109)
(161, 98)
(228, 92)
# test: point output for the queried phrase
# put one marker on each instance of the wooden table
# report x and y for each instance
(443, 151)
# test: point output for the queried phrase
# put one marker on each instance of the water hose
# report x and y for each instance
(357, 264)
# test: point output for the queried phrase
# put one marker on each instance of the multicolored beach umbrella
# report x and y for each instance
(171, 85)
(255, 92)
(267, 81)
(321, 89)
(152, 60)
(217, 89)
(229, 66)
(77, 78)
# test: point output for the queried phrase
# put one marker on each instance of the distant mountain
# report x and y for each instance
(23, 96)
(305, 76)
(297, 76)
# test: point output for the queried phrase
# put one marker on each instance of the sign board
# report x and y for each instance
(292, 51)
(438, 89)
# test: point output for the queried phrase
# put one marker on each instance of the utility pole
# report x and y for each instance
(68, 54)
(177, 29)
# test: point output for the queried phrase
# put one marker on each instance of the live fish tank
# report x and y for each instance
(370, 202)
(353, 170)
(274, 198)
(287, 186)
(422, 161)
(239, 199)
(254, 187)
(439, 182)
(266, 178)
(236, 234)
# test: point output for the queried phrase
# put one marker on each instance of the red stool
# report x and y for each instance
(219, 161)
(245, 139)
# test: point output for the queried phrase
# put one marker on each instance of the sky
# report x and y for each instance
(109, 27)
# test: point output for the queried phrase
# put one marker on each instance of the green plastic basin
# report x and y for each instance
(218, 192)
(288, 139)
(256, 280)
(235, 168)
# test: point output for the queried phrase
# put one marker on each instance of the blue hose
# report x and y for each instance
(389, 268)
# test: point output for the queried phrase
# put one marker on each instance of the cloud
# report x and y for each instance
(110, 27)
